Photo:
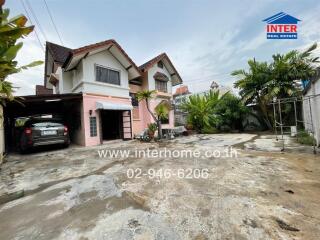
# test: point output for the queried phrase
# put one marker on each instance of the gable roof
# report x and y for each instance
(70, 58)
(281, 18)
(183, 90)
(58, 52)
(102, 44)
(170, 67)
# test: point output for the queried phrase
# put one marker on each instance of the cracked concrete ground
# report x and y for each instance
(262, 193)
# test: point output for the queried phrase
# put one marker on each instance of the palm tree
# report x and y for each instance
(263, 82)
(252, 86)
(11, 30)
(287, 69)
(147, 95)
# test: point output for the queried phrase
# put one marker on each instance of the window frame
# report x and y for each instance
(109, 69)
(162, 82)
(160, 64)
(93, 129)
(167, 120)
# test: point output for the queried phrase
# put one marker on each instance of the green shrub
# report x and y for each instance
(209, 130)
(152, 127)
(230, 113)
(305, 138)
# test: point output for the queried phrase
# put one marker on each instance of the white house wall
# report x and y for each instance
(104, 59)
(315, 110)
(151, 81)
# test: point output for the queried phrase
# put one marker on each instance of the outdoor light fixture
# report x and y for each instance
(90, 112)
(53, 100)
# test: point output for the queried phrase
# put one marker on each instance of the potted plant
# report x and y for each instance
(189, 126)
(152, 128)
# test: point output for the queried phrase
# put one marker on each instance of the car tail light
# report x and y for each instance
(65, 130)
(28, 131)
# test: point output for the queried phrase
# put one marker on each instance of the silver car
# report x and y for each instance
(39, 132)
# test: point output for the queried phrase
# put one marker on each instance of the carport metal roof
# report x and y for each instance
(39, 104)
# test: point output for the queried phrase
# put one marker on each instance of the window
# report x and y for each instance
(93, 126)
(107, 75)
(134, 100)
(161, 86)
(165, 120)
(160, 64)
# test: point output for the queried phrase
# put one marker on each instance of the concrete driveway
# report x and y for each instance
(84, 193)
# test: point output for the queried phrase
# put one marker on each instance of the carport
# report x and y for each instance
(67, 107)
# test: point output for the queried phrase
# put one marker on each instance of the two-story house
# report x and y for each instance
(108, 80)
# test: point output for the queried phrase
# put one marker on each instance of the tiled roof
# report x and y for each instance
(58, 52)
(181, 90)
(152, 61)
(101, 44)
(144, 67)
(61, 53)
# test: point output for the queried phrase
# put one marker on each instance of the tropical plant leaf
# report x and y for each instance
(11, 52)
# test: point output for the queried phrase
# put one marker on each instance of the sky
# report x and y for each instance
(206, 40)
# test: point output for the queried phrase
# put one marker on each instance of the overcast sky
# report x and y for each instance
(205, 40)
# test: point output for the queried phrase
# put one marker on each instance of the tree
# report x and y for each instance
(252, 86)
(230, 112)
(11, 31)
(287, 69)
(263, 82)
(147, 95)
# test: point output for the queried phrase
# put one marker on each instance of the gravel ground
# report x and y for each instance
(251, 190)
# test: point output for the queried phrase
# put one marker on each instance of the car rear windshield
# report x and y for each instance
(46, 124)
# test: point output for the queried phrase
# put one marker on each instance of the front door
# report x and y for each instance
(111, 124)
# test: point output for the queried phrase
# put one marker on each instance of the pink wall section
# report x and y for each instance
(89, 103)
(153, 104)
(138, 124)
(144, 116)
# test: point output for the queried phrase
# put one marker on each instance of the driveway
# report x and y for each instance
(239, 186)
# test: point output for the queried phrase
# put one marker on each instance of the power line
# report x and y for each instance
(27, 13)
(36, 19)
(54, 25)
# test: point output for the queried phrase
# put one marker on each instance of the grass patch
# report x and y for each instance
(305, 138)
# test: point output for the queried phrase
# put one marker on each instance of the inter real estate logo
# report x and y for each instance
(282, 26)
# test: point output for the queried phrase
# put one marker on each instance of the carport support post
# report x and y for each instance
(1, 134)
(312, 127)
(275, 119)
(281, 125)
(295, 114)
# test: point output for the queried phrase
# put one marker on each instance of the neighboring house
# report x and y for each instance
(109, 80)
(311, 106)
(179, 96)
(182, 93)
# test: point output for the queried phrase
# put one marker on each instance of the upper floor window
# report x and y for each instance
(107, 75)
(161, 86)
(160, 64)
